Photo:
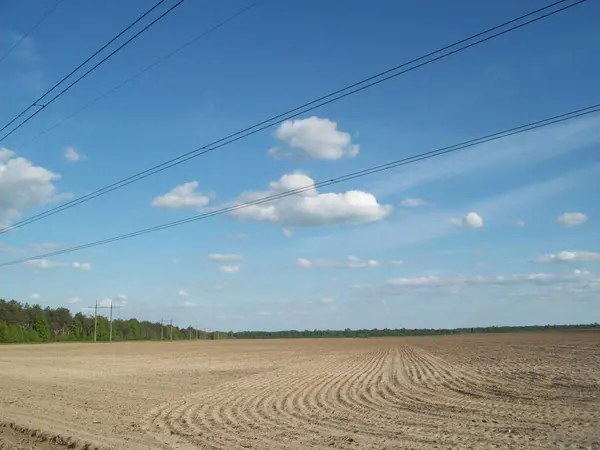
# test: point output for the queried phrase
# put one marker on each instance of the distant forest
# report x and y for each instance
(21, 322)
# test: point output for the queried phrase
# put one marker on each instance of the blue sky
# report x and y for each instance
(503, 233)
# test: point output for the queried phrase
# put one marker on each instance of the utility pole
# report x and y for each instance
(96, 308)
(95, 321)
(162, 329)
(110, 323)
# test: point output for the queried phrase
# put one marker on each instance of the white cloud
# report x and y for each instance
(73, 300)
(413, 202)
(183, 196)
(351, 262)
(310, 208)
(471, 220)
(581, 272)
(362, 286)
(82, 266)
(416, 281)
(188, 304)
(518, 279)
(229, 269)
(42, 264)
(327, 300)
(48, 264)
(354, 262)
(305, 263)
(224, 257)
(72, 155)
(288, 233)
(24, 186)
(117, 300)
(571, 219)
(566, 256)
(520, 222)
(411, 229)
(315, 137)
(35, 296)
(182, 293)
(265, 313)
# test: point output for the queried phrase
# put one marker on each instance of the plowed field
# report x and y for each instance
(529, 390)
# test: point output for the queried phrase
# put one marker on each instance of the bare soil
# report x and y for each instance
(527, 390)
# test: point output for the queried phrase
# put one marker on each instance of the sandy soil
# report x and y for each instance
(489, 391)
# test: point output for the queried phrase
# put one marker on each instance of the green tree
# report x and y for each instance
(41, 327)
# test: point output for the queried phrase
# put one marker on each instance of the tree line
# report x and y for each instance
(22, 322)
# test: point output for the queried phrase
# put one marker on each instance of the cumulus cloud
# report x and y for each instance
(309, 207)
(183, 196)
(471, 220)
(571, 219)
(73, 300)
(72, 155)
(316, 137)
(520, 222)
(82, 266)
(24, 186)
(224, 257)
(288, 233)
(188, 304)
(116, 300)
(351, 262)
(413, 202)
(229, 269)
(566, 257)
(182, 293)
(35, 296)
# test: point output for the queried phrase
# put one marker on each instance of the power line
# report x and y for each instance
(361, 173)
(31, 30)
(141, 72)
(81, 65)
(85, 74)
(321, 101)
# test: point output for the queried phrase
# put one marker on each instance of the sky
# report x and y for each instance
(503, 233)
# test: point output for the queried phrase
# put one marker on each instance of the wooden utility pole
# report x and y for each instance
(96, 308)
(95, 320)
(110, 323)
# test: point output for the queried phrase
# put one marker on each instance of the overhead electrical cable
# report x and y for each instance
(141, 72)
(45, 104)
(358, 174)
(310, 106)
(31, 30)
